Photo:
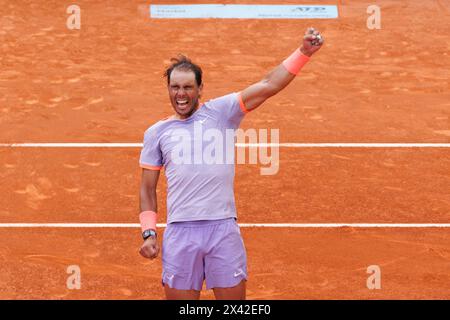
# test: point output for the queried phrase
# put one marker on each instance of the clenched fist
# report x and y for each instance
(312, 42)
(150, 248)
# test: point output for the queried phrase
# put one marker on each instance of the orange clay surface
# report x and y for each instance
(104, 83)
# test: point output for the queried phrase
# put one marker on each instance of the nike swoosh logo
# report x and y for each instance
(237, 274)
(171, 277)
(203, 120)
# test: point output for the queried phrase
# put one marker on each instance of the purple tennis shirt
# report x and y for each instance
(197, 154)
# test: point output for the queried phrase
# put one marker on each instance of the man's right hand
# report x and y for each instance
(150, 248)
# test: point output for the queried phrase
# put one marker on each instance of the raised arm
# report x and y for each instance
(280, 77)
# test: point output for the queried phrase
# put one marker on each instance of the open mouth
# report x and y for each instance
(182, 103)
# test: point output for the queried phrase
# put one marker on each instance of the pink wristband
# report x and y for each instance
(148, 220)
(295, 62)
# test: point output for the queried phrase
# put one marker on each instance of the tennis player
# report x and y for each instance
(202, 240)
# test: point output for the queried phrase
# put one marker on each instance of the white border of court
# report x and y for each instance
(242, 225)
(281, 145)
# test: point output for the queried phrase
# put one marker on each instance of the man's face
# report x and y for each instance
(184, 92)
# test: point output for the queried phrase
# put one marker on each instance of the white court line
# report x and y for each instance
(243, 225)
(281, 145)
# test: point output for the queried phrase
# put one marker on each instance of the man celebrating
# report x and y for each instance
(202, 240)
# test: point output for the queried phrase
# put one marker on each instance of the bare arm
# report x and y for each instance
(279, 78)
(149, 181)
(148, 201)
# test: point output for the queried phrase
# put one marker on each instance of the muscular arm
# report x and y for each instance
(150, 247)
(274, 82)
(280, 77)
(149, 180)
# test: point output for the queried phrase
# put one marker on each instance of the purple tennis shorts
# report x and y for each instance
(197, 250)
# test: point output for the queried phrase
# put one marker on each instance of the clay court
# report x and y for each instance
(103, 84)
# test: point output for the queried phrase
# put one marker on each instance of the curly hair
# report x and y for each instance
(184, 63)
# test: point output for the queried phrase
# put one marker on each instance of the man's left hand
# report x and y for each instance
(312, 42)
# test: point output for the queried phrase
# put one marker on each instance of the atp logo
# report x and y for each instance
(307, 9)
